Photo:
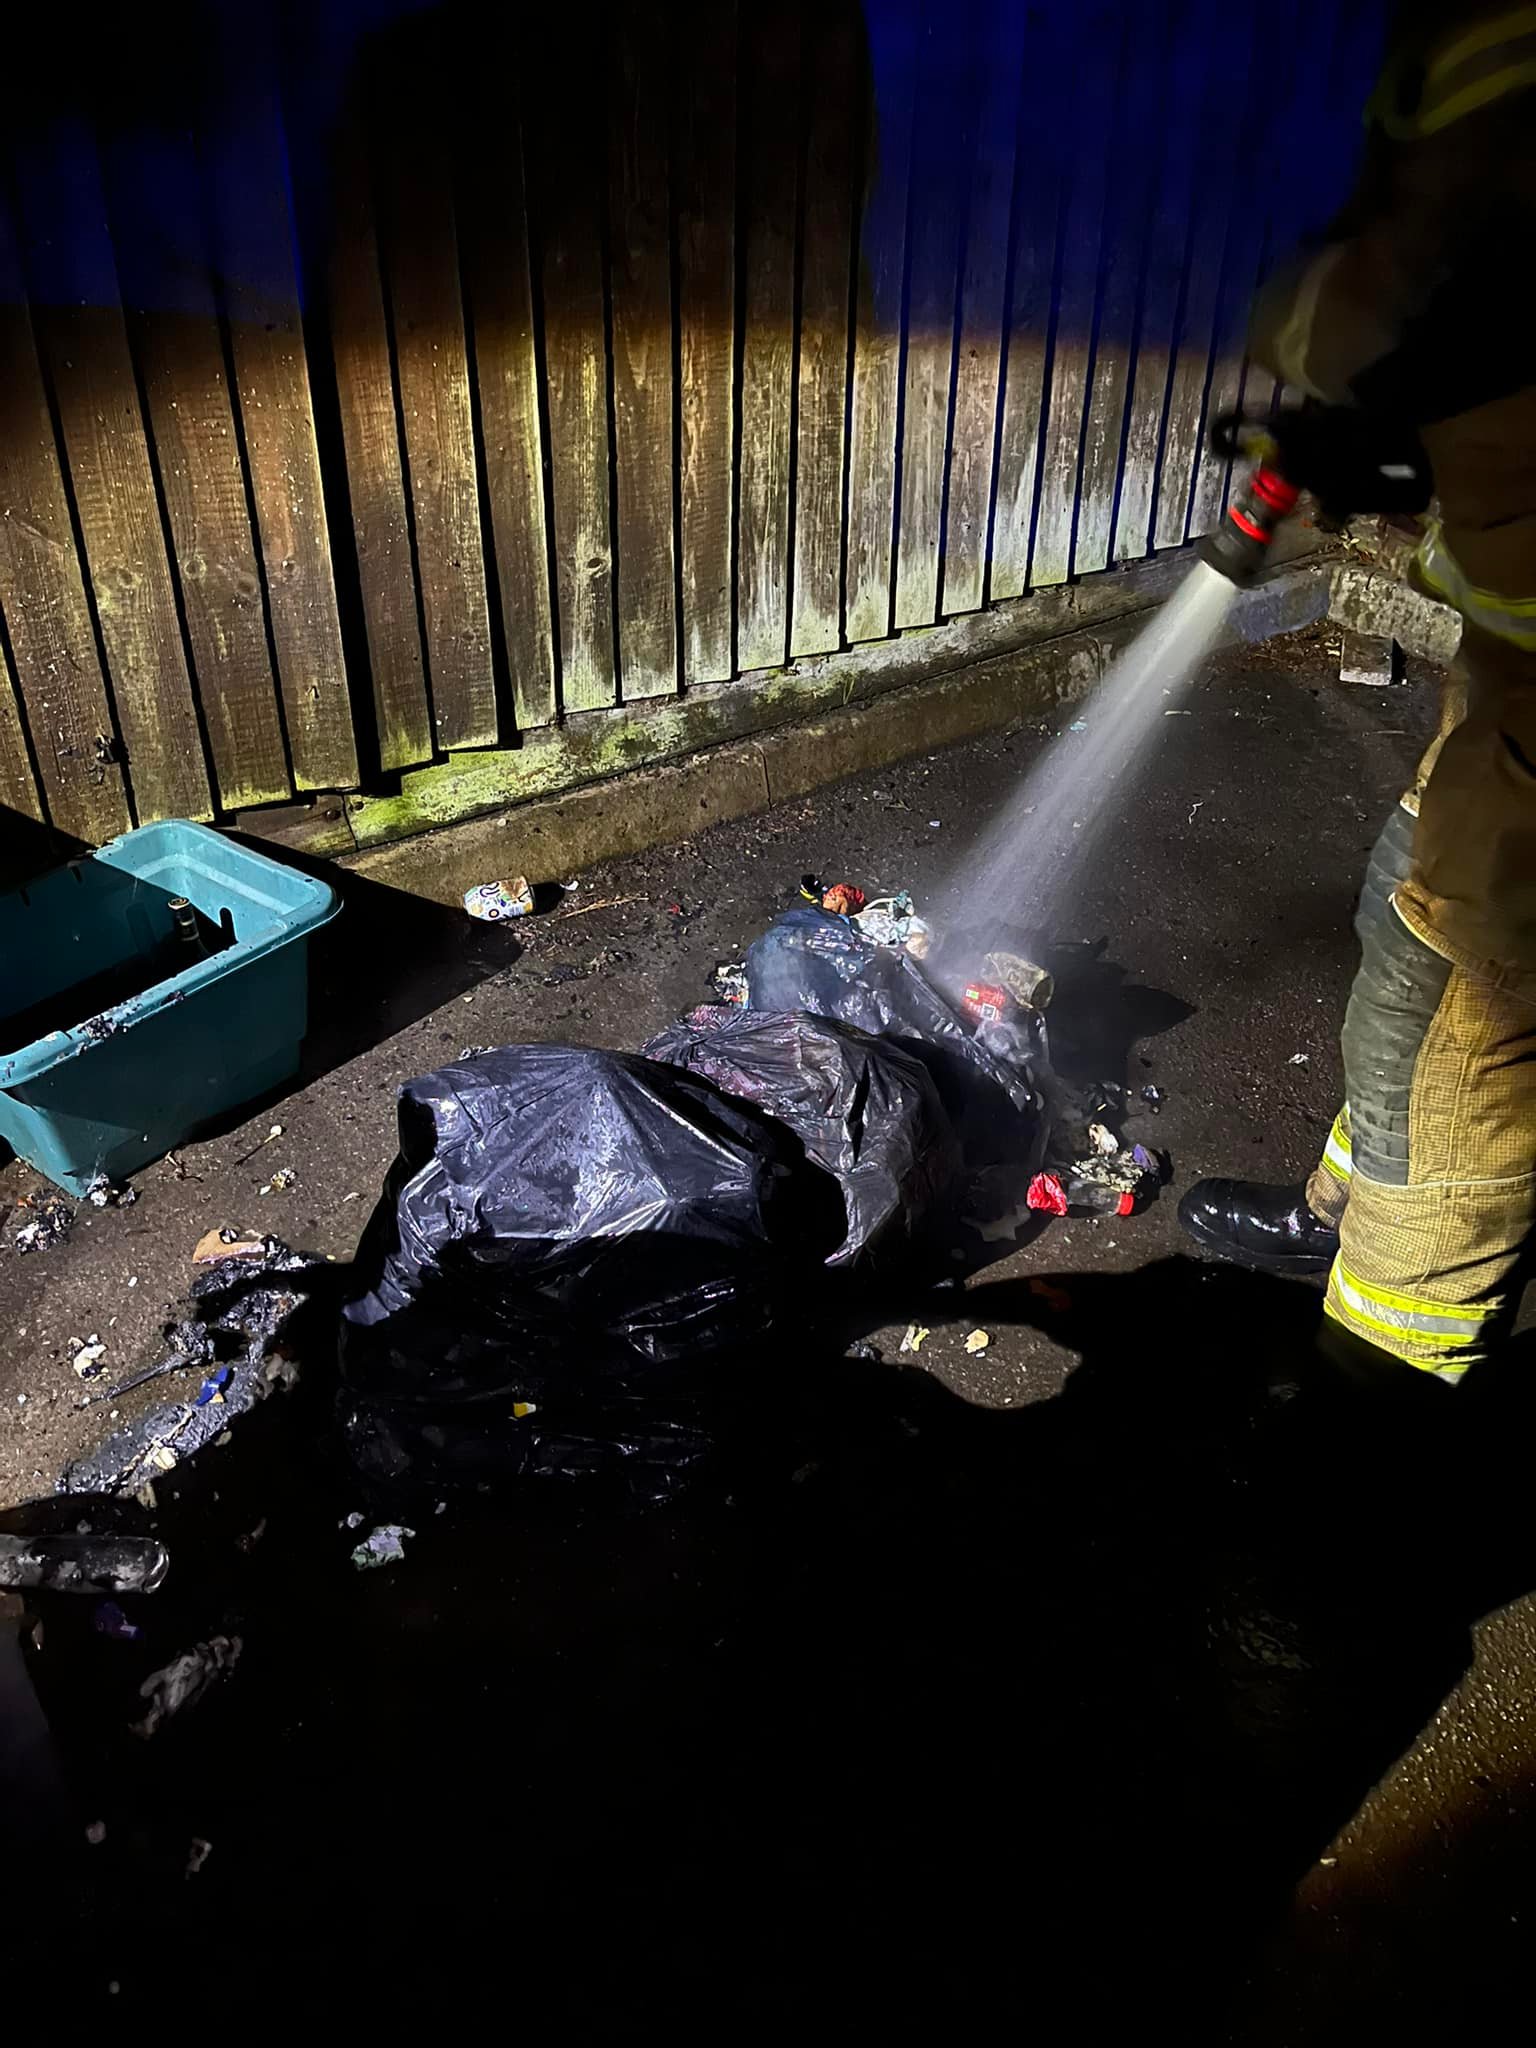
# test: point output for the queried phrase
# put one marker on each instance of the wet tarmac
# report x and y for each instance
(1050, 1686)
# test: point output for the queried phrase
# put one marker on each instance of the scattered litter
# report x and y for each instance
(493, 902)
(198, 1852)
(215, 1245)
(891, 921)
(48, 1221)
(352, 1197)
(843, 899)
(110, 1620)
(1078, 725)
(352, 1521)
(915, 1338)
(183, 1682)
(282, 1180)
(869, 1353)
(1153, 1096)
(109, 1194)
(1197, 805)
(977, 1342)
(569, 887)
(1056, 1299)
(1327, 1862)
(934, 824)
(244, 1300)
(88, 1356)
(1299, 1059)
(212, 1388)
(276, 1131)
(96, 1833)
(133, 1279)
(1178, 714)
(523, 1409)
(466, 1052)
(1103, 1140)
(384, 1545)
(728, 979)
(586, 909)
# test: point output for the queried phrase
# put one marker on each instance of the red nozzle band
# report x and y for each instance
(1273, 490)
(1241, 519)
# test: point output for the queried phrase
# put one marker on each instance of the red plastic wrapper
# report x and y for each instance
(985, 1002)
(843, 899)
(1046, 1192)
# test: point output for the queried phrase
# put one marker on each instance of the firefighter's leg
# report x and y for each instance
(1385, 872)
(1440, 1068)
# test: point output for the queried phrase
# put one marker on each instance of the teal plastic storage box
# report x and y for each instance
(105, 1094)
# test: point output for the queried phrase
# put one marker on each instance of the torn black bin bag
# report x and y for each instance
(565, 1228)
(863, 1108)
(809, 959)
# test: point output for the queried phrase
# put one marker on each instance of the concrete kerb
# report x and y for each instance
(561, 834)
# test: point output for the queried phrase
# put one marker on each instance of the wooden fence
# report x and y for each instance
(379, 383)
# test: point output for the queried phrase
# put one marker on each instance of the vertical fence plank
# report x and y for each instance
(1215, 196)
(155, 193)
(771, 98)
(1127, 206)
(876, 407)
(370, 436)
(422, 268)
(1178, 85)
(19, 793)
(1095, 30)
(705, 189)
(42, 593)
(640, 287)
(1000, 56)
(254, 254)
(1044, 138)
(941, 146)
(506, 373)
(833, 74)
(82, 337)
(570, 218)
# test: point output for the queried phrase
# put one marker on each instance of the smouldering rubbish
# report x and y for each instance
(183, 1682)
(915, 1338)
(977, 1342)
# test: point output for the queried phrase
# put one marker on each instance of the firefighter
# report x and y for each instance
(1425, 1197)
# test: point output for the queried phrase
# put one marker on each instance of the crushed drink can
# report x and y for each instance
(495, 901)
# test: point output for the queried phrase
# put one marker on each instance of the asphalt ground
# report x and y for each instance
(1122, 1667)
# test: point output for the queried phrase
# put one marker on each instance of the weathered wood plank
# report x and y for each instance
(370, 431)
(1043, 139)
(640, 289)
(1127, 209)
(705, 197)
(983, 289)
(154, 193)
(506, 373)
(83, 340)
(566, 188)
(422, 273)
(1216, 194)
(770, 104)
(19, 793)
(941, 147)
(1242, 257)
(1177, 82)
(834, 57)
(1087, 146)
(876, 406)
(42, 592)
(243, 146)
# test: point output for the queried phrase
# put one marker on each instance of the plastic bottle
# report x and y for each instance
(1069, 1194)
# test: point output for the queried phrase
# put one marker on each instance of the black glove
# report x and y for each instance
(1349, 459)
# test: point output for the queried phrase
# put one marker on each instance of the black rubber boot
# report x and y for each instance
(1266, 1228)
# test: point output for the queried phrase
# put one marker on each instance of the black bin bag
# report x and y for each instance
(810, 959)
(563, 1232)
(862, 1107)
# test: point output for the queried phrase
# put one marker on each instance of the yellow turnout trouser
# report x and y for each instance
(1430, 1171)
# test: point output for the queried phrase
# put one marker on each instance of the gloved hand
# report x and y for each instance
(1349, 459)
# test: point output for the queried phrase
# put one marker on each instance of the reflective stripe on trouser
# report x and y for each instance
(1512, 619)
(1328, 1189)
(1430, 1246)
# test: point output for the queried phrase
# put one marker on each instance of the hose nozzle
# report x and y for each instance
(1239, 547)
